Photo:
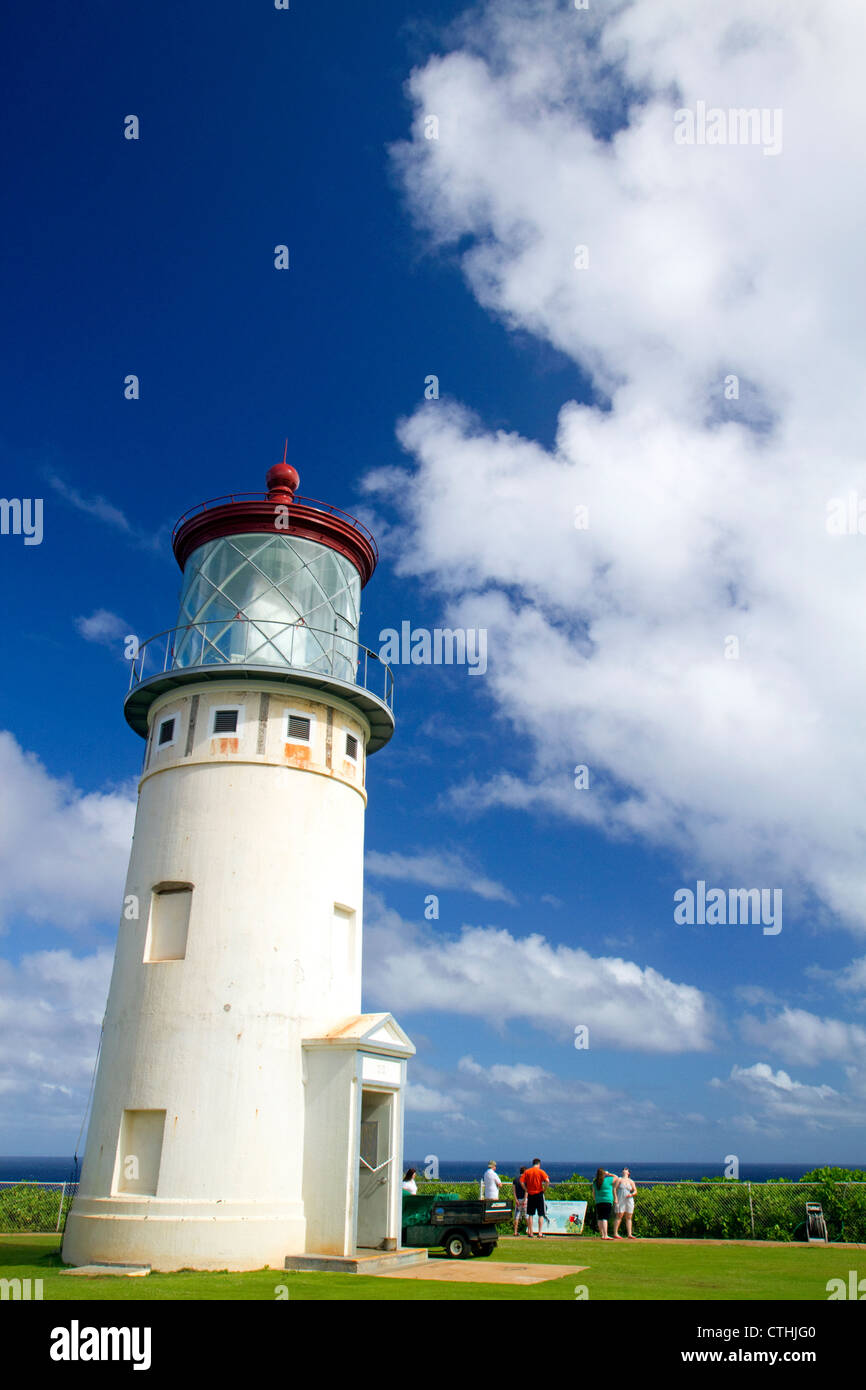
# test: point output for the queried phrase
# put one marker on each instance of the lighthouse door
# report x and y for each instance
(375, 1169)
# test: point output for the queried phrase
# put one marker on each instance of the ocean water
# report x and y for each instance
(459, 1170)
(41, 1169)
(37, 1169)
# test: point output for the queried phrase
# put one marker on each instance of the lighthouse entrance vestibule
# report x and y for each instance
(376, 1172)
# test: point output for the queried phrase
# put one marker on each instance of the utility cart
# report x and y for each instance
(460, 1226)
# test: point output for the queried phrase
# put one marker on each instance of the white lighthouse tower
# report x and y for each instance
(245, 1110)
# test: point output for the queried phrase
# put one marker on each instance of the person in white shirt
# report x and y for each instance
(409, 1183)
(491, 1183)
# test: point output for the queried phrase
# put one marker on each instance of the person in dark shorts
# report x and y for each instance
(603, 1190)
(535, 1180)
(520, 1200)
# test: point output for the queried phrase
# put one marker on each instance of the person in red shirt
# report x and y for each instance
(536, 1181)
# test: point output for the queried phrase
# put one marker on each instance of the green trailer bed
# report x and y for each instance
(462, 1227)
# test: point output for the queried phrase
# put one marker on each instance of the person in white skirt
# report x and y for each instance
(624, 1205)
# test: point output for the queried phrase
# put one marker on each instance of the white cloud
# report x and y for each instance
(427, 1100)
(436, 870)
(801, 1037)
(102, 626)
(756, 994)
(852, 980)
(519, 1076)
(509, 1107)
(778, 1098)
(51, 1008)
(490, 974)
(96, 506)
(105, 511)
(63, 852)
(706, 520)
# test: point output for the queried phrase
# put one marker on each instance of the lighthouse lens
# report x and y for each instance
(270, 600)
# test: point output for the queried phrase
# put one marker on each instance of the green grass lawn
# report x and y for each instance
(639, 1270)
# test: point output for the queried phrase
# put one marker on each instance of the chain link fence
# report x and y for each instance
(31, 1207)
(725, 1210)
(722, 1210)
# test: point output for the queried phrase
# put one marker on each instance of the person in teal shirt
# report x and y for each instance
(603, 1190)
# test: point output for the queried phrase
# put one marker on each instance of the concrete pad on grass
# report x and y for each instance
(484, 1272)
(368, 1262)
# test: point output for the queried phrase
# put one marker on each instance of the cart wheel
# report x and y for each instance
(485, 1250)
(457, 1246)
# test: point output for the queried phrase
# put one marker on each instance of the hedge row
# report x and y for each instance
(28, 1207)
(718, 1210)
(723, 1210)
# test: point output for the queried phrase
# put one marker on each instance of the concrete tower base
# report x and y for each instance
(172, 1235)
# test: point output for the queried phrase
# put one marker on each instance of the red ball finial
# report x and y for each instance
(282, 481)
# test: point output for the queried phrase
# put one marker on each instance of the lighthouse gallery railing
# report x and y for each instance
(254, 642)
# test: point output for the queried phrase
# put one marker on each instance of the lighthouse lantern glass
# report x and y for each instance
(269, 600)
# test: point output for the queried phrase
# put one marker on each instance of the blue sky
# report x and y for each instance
(607, 646)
